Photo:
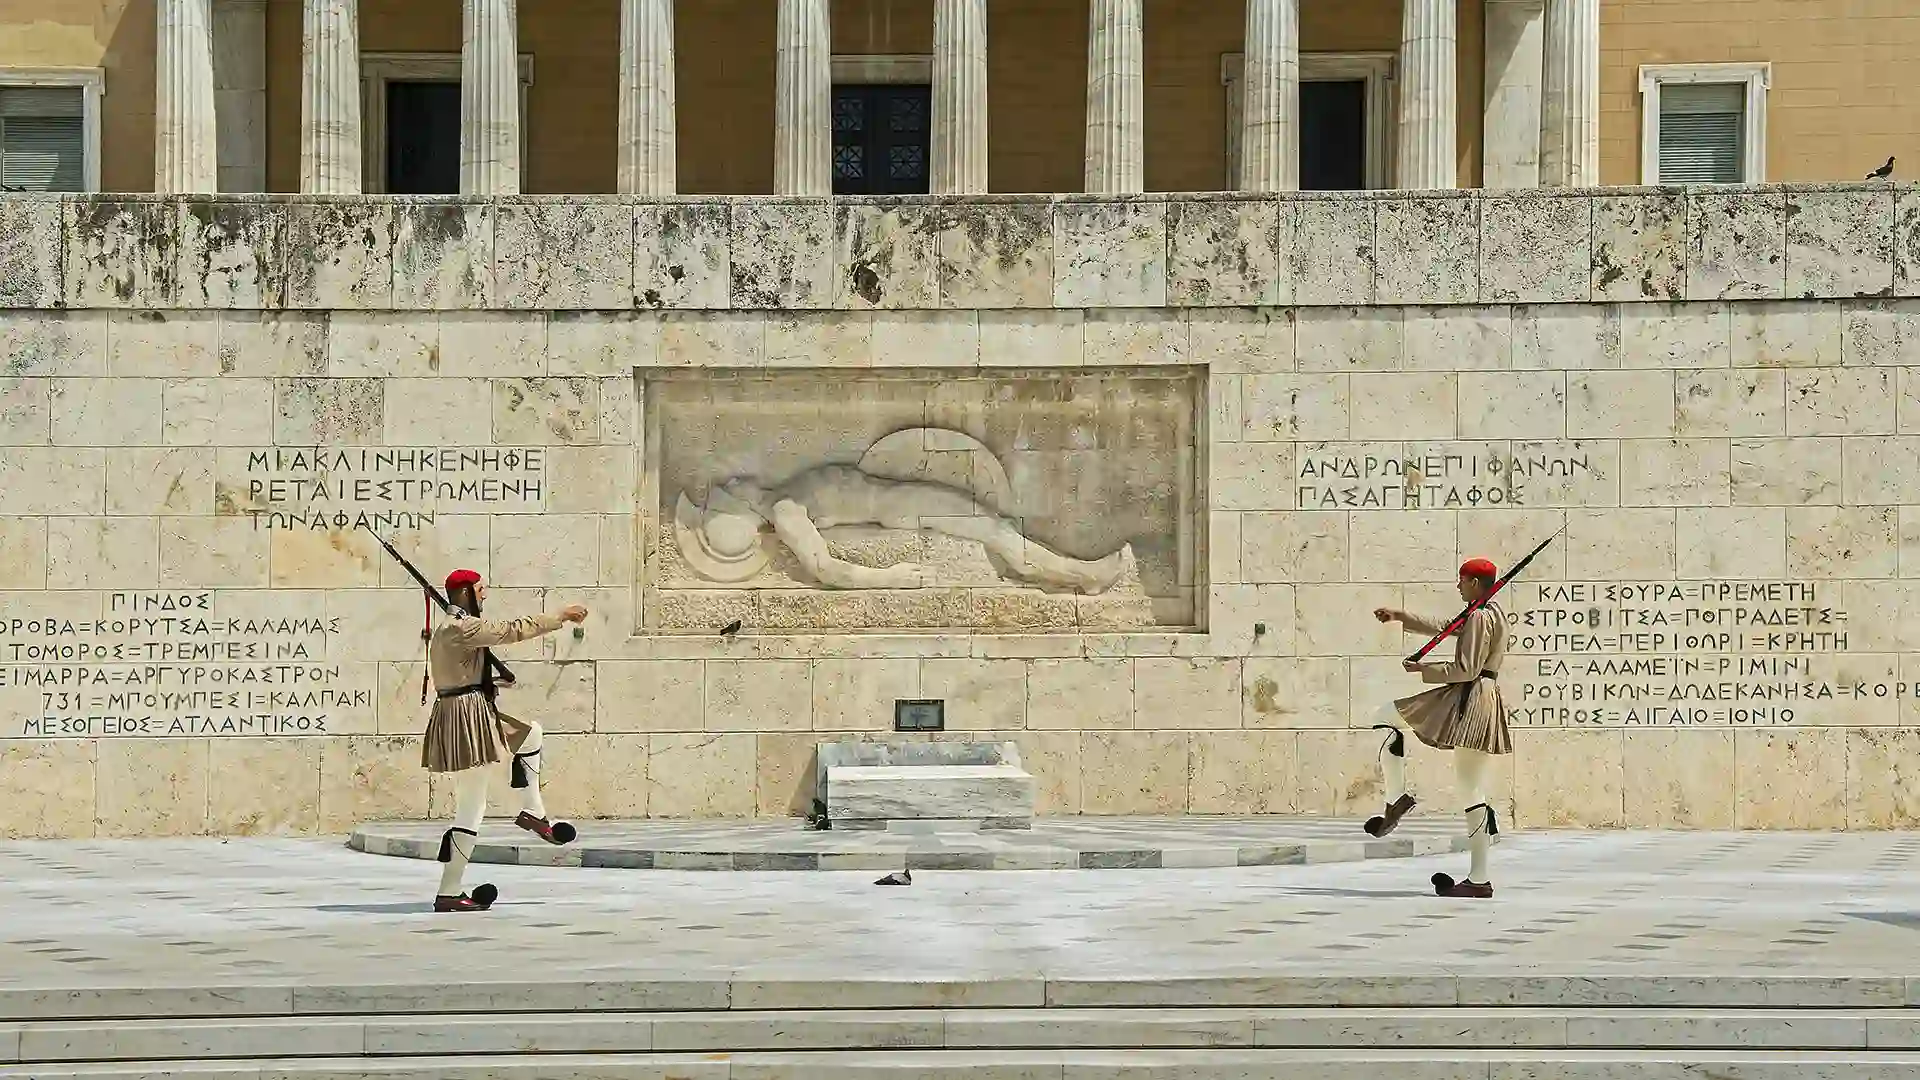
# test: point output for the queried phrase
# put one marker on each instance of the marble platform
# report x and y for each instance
(914, 786)
(1052, 844)
(1605, 957)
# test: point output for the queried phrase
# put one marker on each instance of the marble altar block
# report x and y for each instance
(916, 786)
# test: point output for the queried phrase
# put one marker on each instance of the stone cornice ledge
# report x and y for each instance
(608, 253)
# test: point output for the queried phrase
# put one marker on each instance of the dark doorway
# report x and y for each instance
(1333, 135)
(423, 138)
(881, 139)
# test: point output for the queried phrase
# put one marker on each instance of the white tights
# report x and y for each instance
(1472, 772)
(469, 807)
(529, 758)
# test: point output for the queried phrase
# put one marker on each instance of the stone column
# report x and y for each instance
(649, 145)
(489, 98)
(803, 100)
(185, 141)
(1570, 122)
(1116, 144)
(1511, 139)
(959, 97)
(1270, 97)
(330, 99)
(1429, 95)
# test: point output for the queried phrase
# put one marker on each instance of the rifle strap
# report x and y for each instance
(426, 647)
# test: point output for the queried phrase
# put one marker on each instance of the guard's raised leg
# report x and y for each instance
(1393, 777)
(526, 780)
(457, 843)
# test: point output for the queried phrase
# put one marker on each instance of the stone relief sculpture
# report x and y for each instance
(722, 541)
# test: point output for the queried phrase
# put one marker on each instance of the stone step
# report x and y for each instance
(957, 1029)
(1216, 1064)
(1050, 844)
(694, 993)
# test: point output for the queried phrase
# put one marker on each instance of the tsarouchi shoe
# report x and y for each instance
(480, 899)
(1444, 885)
(555, 832)
(1382, 824)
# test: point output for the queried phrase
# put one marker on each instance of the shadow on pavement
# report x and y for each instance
(411, 908)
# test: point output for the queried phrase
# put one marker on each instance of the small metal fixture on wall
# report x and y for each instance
(920, 715)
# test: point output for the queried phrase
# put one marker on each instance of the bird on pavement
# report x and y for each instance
(1882, 172)
(904, 877)
(730, 629)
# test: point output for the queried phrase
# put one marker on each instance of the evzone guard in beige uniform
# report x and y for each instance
(467, 733)
(1464, 713)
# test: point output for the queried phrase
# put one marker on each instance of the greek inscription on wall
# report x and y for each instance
(385, 488)
(1337, 479)
(1626, 654)
(172, 664)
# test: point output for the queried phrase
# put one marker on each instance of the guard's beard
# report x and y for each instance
(465, 599)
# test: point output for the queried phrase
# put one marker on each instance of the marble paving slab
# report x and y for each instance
(260, 927)
(1170, 843)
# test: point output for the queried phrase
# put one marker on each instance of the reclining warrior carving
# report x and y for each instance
(722, 541)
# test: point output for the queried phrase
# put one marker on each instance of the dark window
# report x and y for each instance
(423, 138)
(880, 139)
(1703, 133)
(1333, 135)
(42, 138)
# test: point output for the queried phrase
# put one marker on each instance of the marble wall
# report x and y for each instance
(203, 402)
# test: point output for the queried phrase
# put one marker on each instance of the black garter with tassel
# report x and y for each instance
(446, 842)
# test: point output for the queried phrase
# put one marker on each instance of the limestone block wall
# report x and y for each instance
(1711, 390)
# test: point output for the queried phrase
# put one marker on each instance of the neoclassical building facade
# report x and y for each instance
(788, 96)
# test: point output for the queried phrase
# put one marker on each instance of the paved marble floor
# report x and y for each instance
(229, 913)
(1051, 844)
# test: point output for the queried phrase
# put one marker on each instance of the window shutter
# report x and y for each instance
(42, 138)
(1703, 133)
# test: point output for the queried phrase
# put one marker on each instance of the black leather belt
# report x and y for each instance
(1494, 675)
(457, 691)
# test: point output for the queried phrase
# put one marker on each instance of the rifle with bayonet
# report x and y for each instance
(494, 666)
(1460, 620)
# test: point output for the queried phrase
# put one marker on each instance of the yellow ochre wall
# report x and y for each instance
(116, 35)
(1846, 77)
(1845, 93)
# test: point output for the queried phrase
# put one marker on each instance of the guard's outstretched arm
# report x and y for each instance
(486, 633)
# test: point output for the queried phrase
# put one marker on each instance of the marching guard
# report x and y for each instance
(467, 733)
(1464, 713)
